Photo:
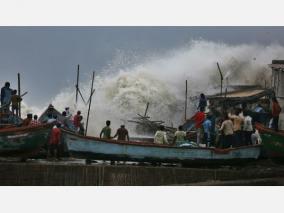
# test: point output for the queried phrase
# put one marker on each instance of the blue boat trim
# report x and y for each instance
(97, 148)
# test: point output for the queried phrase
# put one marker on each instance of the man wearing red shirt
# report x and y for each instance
(276, 109)
(54, 141)
(76, 120)
(199, 118)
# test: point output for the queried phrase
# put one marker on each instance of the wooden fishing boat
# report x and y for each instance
(66, 121)
(102, 149)
(272, 141)
(23, 141)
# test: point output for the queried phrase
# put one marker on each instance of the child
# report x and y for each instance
(15, 99)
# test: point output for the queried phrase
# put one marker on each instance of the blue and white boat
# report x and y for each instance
(102, 149)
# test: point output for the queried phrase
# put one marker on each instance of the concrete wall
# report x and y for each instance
(15, 174)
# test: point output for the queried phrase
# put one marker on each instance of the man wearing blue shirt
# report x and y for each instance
(207, 126)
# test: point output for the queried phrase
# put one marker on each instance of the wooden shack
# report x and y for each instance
(277, 78)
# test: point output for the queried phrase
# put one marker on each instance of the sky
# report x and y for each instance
(47, 57)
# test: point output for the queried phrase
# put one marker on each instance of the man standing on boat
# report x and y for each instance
(81, 129)
(276, 109)
(199, 118)
(106, 131)
(6, 95)
(180, 136)
(202, 102)
(76, 120)
(54, 142)
(207, 126)
(248, 128)
(15, 100)
(35, 121)
(122, 134)
(238, 123)
(161, 136)
(27, 120)
(228, 132)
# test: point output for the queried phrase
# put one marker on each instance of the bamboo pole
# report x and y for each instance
(221, 75)
(185, 104)
(19, 93)
(77, 83)
(82, 96)
(91, 95)
(147, 106)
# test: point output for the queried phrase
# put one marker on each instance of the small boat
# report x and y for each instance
(272, 141)
(23, 141)
(101, 149)
(66, 121)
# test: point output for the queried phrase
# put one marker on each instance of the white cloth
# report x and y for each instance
(51, 120)
(255, 138)
(248, 124)
(160, 137)
(180, 135)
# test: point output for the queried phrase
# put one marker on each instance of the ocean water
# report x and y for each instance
(130, 81)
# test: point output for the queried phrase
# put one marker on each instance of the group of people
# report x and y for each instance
(237, 129)
(121, 133)
(31, 120)
(234, 129)
(66, 121)
(9, 97)
(63, 120)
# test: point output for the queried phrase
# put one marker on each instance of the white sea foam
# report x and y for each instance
(123, 91)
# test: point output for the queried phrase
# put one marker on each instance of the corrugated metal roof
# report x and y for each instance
(280, 67)
(241, 94)
(249, 95)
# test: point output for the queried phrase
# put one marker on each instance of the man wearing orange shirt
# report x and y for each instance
(199, 118)
(76, 120)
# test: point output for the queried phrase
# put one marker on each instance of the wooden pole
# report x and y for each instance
(79, 91)
(221, 75)
(91, 95)
(185, 104)
(77, 83)
(19, 93)
(146, 109)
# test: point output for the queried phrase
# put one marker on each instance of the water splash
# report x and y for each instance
(121, 92)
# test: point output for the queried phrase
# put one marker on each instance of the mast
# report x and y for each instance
(221, 75)
(90, 102)
(19, 93)
(77, 83)
(185, 104)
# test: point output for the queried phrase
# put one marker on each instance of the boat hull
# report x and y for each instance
(272, 141)
(100, 149)
(23, 141)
